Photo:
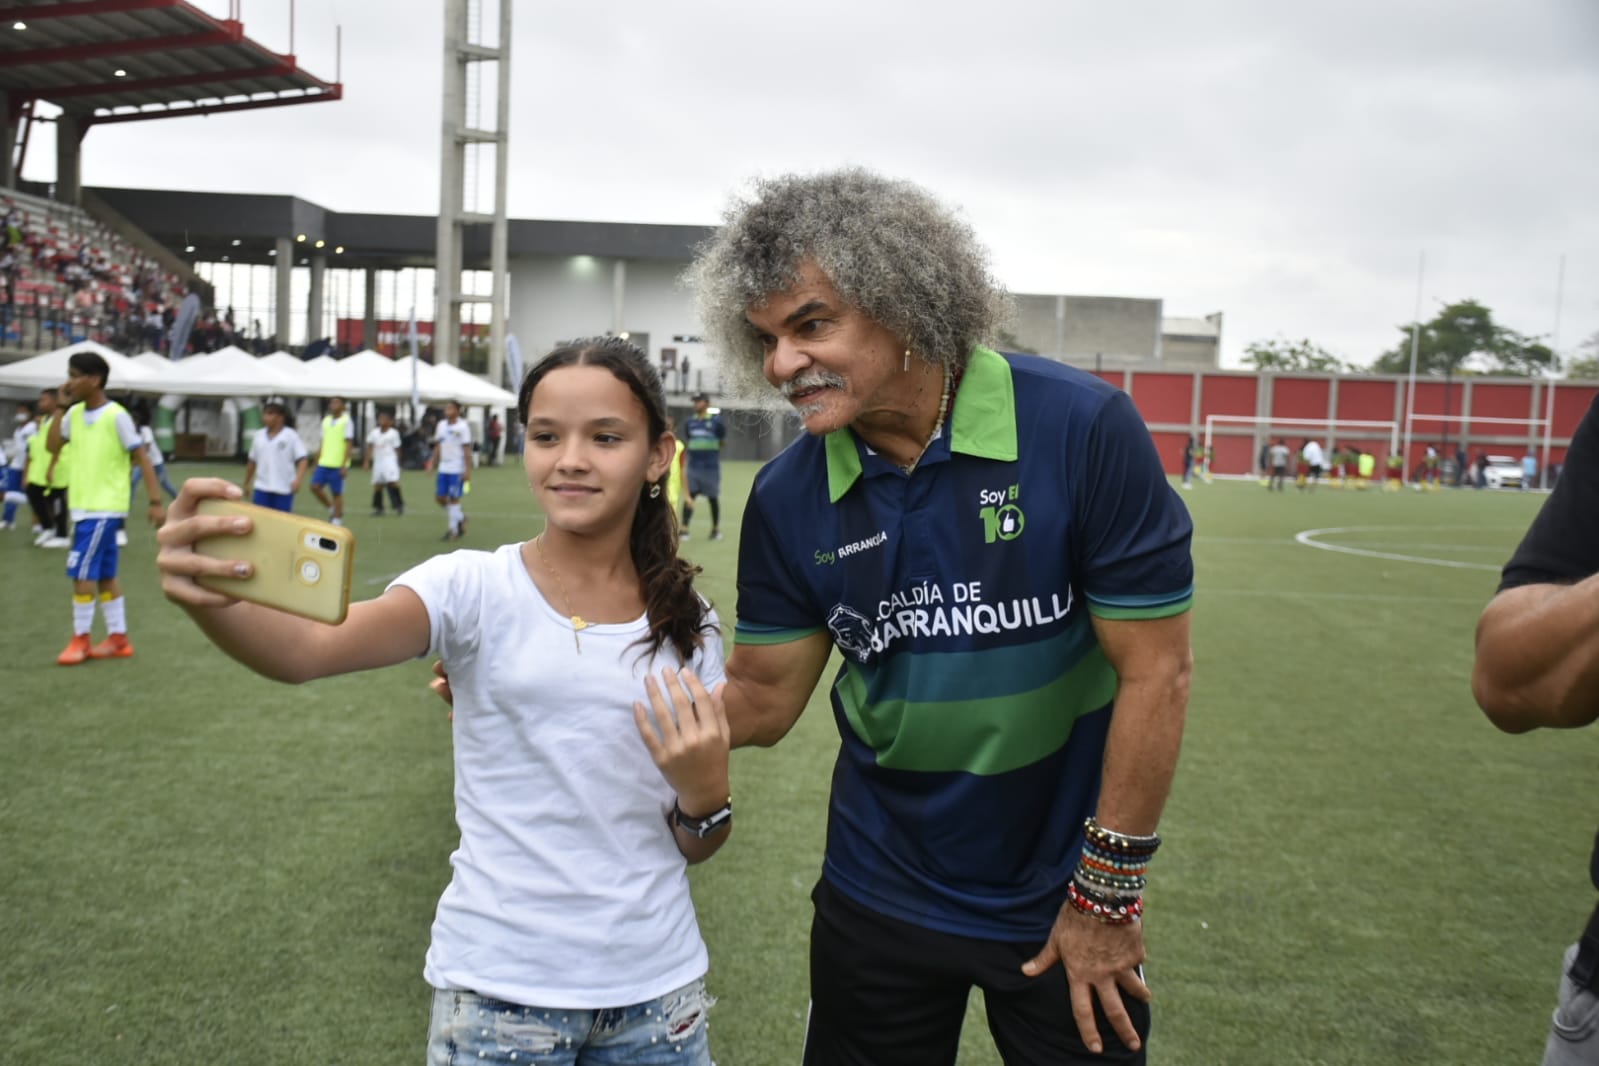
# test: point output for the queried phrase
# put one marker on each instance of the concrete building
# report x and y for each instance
(1114, 331)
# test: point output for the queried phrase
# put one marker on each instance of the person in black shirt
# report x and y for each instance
(1537, 667)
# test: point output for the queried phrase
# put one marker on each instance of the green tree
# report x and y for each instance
(1586, 368)
(1459, 332)
(1282, 354)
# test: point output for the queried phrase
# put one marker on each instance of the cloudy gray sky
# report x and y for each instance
(1281, 163)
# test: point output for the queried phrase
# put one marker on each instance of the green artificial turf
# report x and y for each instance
(201, 866)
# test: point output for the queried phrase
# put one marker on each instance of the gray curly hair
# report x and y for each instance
(888, 247)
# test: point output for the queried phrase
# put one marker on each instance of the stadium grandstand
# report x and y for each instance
(71, 268)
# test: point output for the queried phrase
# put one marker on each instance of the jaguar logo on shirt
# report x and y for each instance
(851, 630)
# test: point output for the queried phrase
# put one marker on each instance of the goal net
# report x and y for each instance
(1470, 431)
(1235, 442)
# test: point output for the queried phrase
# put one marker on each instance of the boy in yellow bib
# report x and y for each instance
(105, 443)
(333, 460)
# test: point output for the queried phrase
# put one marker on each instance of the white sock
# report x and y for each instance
(82, 615)
(456, 514)
(115, 613)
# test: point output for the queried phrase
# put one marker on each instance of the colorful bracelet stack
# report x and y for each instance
(1108, 884)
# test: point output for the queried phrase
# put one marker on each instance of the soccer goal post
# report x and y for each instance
(1544, 426)
(1327, 430)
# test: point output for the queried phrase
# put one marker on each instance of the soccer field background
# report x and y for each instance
(201, 866)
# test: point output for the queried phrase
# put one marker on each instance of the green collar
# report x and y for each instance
(983, 423)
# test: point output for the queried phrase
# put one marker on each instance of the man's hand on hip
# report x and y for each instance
(1100, 960)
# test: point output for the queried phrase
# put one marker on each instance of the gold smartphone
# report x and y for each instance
(301, 565)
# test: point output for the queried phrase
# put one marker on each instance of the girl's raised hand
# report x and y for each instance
(177, 560)
(685, 728)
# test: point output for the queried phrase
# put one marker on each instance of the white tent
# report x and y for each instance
(439, 383)
(43, 371)
(470, 389)
(228, 371)
(284, 363)
(154, 362)
(366, 375)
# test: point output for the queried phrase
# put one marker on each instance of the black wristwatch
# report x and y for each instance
(703, 827)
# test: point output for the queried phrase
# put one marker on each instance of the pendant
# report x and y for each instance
(578, 625)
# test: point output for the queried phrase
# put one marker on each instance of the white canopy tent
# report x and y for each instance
(366, 375)
(231, 373)
(227, 372)
(436, 384)
(49, 369)
(154, 362)
(284, 363)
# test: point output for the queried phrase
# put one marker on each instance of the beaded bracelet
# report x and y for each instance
(1116, 886)
(1109, 913)
(1123, 843)
(1103, 893)
(1096, 862)
(1109, 881)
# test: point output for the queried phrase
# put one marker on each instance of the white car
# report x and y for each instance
(1502, 472)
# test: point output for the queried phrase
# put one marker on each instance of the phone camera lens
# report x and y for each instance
(328, 544)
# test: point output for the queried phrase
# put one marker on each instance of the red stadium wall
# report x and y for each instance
(1164, 397)
(1571, 403)
(1169, 403)
(1500, 401)
(1227, 394)
(1170, 447)
(1300, 397)
(1367, 401)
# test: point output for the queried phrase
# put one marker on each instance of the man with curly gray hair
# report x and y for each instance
(990, 543)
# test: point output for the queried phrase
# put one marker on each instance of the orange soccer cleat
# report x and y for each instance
(75, 652)
(114, 646)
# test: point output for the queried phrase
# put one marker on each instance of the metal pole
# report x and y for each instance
(1449, 377)
(1554, 346)
(1415, 344)
(452, 166)
(499, 239)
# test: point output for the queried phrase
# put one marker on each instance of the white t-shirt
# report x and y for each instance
(151, 448)
(275, 459)
(127, 433)
(454, 439)
(1312, 454)
(383, 445)
(19, 444)
(568, 889)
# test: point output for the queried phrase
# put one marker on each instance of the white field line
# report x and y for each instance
(1203, 591)
(1307, 537)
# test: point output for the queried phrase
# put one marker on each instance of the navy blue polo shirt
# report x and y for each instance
(702, 439)
(974, 699)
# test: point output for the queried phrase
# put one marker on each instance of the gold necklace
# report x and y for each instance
(578, 625)
(943, 408)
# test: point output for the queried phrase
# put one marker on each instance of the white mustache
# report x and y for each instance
(820, 379)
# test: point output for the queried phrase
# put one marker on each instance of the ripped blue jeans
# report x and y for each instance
(468, 1028)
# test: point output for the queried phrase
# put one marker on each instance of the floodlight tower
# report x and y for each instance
(466, 49)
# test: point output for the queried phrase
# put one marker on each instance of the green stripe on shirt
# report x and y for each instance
(984, 736)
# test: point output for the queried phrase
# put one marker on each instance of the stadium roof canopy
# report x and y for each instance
(128, 60)
(245, 228)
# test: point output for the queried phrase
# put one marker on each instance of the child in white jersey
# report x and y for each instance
(583, 786)
(383, 459)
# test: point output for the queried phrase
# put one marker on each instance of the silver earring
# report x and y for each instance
(655, 491)
(907, 360)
